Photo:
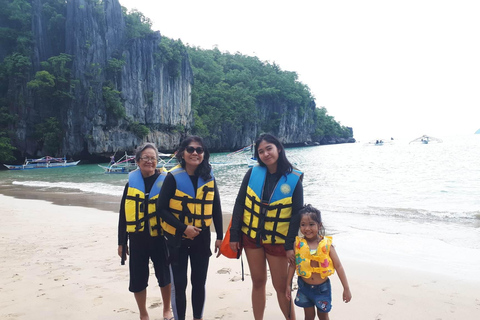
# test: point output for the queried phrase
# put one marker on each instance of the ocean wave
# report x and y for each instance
(97, 188)
(410, 213)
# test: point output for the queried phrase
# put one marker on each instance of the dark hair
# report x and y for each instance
(283, 165)
(143, 147)
(204, 169)
(314, 214)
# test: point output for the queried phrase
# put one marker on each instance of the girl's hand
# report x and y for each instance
(218, 243)
(347, 295)
(191, 232)
(288, 292)
(235, 246)
(291, 256)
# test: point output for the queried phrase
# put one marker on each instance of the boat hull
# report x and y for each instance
(41, 165)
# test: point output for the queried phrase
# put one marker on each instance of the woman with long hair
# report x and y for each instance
(188, 204)
(264, 221)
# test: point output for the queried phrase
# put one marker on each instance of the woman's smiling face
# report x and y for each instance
(268, 153)
(193, 159)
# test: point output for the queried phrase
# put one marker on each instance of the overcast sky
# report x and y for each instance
(386, 68)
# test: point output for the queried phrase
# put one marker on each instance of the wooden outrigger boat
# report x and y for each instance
(46, 162)
(426, 140)
(127, 164)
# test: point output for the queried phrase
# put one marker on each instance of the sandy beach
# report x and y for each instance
(60, 262)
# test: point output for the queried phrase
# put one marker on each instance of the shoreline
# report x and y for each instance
(61, 262)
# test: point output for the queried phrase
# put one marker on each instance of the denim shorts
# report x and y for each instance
(319, 295)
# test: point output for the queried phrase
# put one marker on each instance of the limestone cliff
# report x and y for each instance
(94, 33)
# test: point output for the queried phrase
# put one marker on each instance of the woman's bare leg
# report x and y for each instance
(278, 270)
(258, 272)
(167, 300)
(141, 298)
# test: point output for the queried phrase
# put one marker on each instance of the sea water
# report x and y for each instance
(411, 205)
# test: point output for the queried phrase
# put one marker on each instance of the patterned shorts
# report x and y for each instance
(319, 295)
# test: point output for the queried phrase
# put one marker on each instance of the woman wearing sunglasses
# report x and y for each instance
(188, 204)
(270, 196)
(138, 222)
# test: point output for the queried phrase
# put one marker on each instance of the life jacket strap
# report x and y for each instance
(139, 205)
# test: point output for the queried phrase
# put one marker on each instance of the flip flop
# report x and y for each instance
(172, 318)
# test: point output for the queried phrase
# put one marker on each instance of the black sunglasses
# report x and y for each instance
(191, 149)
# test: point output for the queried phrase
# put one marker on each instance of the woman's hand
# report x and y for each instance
(191, 232)
(120, 251)
(235, 246)
(218, 243)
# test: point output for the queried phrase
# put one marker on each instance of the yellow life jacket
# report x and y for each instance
(136, 202)
(303, 258)
(192, 207)
(269, 221)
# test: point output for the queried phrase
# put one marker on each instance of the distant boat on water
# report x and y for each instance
(426, 140)
(127, 164)
(46, 162)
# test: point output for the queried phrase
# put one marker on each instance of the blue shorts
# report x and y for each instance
(319, 295)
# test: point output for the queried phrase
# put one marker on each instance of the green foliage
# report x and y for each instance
(19, 11)
(231, 91)
(139, 129)
(6, 148)
(54, 11)
(172, 53)
(113, 102)
(327, 126)
(137, 25)
(149, 97)
(229, 88)
(43, 81)
(49, 133)
(115, 65)
(15, 26)
(54, 83)
(16, 66)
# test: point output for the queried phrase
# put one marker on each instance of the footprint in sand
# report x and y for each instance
(15, 315)
(378, 317)
(155, 305)
(385, 289)
(121, 310)
(98, 301)
(16, 277)
(392, 302)
(224, 271)
(235, 279)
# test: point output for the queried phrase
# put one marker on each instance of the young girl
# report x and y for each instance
(315, 260)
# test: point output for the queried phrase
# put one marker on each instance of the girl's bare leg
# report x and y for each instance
(309, 313)
(323, 315)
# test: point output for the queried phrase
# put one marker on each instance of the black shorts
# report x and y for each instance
(143, 247)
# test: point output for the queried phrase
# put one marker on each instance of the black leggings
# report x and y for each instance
(199, 258)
